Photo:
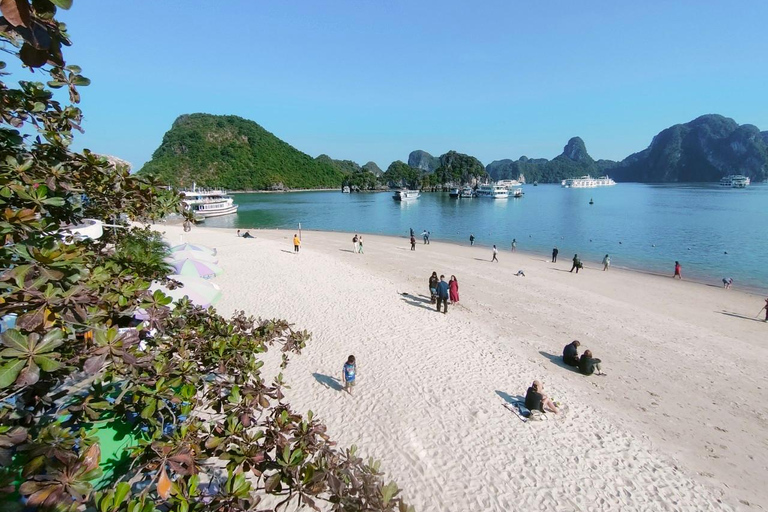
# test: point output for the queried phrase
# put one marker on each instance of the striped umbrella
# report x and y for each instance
(192, 255)
(195, 268)
(200, 292)
(193, 247)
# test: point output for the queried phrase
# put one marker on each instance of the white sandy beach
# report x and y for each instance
(679, 423)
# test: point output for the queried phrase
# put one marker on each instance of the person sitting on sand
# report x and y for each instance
(727, 282)
(589, 365)
(247, 235)
(536, 400)
(571, 353)
(348, 374)
(433, 281)
(238, 232)
(520, 273)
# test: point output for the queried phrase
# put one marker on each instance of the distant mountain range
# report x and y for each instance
(238, 154)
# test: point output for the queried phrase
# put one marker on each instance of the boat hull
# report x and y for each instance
(217, 213)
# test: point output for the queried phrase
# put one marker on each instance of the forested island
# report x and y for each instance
(238, 154)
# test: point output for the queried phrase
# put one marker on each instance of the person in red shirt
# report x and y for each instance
(678, 271)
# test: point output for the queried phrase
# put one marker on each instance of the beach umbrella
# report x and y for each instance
(192, 255)
(193, 247)
(196, 268)
(200, 292)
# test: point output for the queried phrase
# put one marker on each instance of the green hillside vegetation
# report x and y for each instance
(400, 174)
(236, 154)
(354, 176)
(458, 168)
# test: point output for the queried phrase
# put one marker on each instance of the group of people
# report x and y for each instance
(357, 241)
(442, 293)
(537, 400)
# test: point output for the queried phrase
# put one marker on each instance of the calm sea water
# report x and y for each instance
(714, 232)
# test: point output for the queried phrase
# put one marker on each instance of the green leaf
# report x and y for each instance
(13, 338)
(81, 81)
(150, 409)
(48, 364)
(10, 371)
(50, 341)
(64, 4)
(122, 490)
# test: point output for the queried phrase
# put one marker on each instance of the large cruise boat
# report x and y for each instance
(493, 191)
(209, 202)
(588, 182)
(510, 184)
(405, 195)
(735, 181)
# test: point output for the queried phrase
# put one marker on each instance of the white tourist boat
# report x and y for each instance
(510, 184)
(345, 190)
(587, 182)
(518, 192)
(493, 191)
(735, 181)
(209, 202)
(455, 192)
(467, 192)
(405, 195)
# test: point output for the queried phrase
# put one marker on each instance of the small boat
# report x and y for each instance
(208, 202)
(735, 181)
(535, 183)
(454, 192)
(591, 201)
(493, 191)
(467, 192)
(406, 195)
(345, 190)
(518, 192)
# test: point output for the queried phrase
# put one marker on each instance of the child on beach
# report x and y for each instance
(413, 242)
(495, 253)
(348, 374)
(727, 282)
(678, 271)
(296, 243)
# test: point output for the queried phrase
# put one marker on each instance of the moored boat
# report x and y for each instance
(208, 202)
(587, 182)
(493, 191)
(467, 192)
(454, 192)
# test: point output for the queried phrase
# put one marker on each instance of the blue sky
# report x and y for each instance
(375, 79)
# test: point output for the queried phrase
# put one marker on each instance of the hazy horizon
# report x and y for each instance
(373, 81)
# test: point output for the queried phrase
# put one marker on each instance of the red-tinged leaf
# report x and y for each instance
(31, 320)
(164, 485)
(92, 457)
(16, 12)
(40, 492)
(16, 435)
(29, 375)
(94, 364)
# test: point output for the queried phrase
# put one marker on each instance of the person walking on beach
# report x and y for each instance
(766, 311)
(296, 243)
(606, 262)
(554, 255)
(413, 243)
(453, 288)
(536, 400)
(355, 243)
(495, 253)
(471, 240)
(727, 282)
(589, 365)
(360, 244)
(433, 282)
(412, 233)
(678, 271)
(514, 244)
(576, 263)
(571, 353)
(348, 374)
(425, 237)
(442, 295)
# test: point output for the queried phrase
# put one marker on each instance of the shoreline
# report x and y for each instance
(758, 291)
(663, 431)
